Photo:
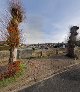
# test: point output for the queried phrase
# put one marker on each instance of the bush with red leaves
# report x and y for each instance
(13, 68)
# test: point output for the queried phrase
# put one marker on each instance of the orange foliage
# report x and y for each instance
(16, 12)
(13, 68)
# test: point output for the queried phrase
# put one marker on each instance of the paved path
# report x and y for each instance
(68, 81)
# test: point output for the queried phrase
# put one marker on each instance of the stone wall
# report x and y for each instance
(4, 55)
(28, 53)
(24, 53)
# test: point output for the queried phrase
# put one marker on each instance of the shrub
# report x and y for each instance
(15, 70)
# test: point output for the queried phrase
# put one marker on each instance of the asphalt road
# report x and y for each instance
(68, 81)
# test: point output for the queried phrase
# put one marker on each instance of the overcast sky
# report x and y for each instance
(47, 20)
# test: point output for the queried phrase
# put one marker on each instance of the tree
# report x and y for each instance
(72, 41)
(13, 39)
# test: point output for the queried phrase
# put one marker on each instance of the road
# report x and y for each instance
(68, 81)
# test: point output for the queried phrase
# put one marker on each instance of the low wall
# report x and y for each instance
(4, 55)
(24, 53)
(28, 53)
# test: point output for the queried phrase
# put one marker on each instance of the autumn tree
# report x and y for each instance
(13, 37)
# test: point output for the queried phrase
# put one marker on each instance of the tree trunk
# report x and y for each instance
(13, 55)
(71, 52)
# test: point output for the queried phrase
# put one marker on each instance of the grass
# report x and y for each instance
(6, 81)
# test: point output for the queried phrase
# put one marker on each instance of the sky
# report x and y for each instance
(46, 20)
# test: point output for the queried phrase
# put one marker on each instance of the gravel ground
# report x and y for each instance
(38, 69)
